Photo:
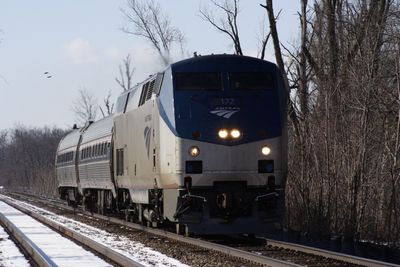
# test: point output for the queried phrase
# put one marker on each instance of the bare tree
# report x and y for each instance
(263, 40)
(148, 21)
(108, 106)
(3, 154)
(302, 66)
(227, 25)
(126, 73)
(344, 174)
(279, 60)
(85, 107)
(124, 80)
(27, 159)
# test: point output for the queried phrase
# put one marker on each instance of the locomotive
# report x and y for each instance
(202, 145)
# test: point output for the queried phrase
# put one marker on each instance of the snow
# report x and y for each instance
(59, 249)
(10, 255)
(132, 249)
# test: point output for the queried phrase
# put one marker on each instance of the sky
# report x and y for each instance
(81, 45)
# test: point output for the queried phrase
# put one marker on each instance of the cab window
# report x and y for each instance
(198, 81)
(251, 81)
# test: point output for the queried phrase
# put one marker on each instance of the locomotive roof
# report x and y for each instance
(224, 61)
(210, 62)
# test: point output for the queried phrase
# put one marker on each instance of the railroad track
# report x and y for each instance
(10, 253)
(42, 251)
(274, 253)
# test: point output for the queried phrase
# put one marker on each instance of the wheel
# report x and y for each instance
(126, 213)
(187, 233)
(179, 229)
(182, 229)
(68, 200)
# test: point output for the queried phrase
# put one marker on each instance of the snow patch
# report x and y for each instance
(132, 249)
(10, 255)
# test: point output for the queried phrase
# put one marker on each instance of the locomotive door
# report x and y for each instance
(154, 139)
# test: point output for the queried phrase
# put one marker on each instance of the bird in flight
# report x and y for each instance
(48, 75)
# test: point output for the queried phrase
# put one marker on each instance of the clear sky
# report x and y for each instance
(81, 45)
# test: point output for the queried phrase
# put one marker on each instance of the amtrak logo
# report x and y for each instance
(225, 112)
(147, 134)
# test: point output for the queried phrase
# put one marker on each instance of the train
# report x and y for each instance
(200, 146)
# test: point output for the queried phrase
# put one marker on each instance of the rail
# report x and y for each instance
(330, 254)
(38, 256)
(93, 245)
(251, 257)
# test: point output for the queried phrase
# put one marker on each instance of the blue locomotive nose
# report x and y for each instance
(227, 96)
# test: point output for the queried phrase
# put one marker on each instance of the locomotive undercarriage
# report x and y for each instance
(226, 207)
(229, 207)
(99, 200)
(70, 194)
(150, 214)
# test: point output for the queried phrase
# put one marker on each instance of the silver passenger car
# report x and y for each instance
(65, 165)
(94, 162)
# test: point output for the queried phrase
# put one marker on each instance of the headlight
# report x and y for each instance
(235, 133)
(265, 150)
(223, 133)
(194, 151)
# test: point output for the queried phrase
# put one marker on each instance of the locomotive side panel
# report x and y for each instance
(169, 144)
(171, 171)
(134, 136)
(169, 152)
(136, 143)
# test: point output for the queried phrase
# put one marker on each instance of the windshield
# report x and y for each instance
(198, 81)
(250, 81)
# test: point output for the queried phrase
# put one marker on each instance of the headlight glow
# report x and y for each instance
(265, 150)
(223, 133)
(235, 133)
(194, 151)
